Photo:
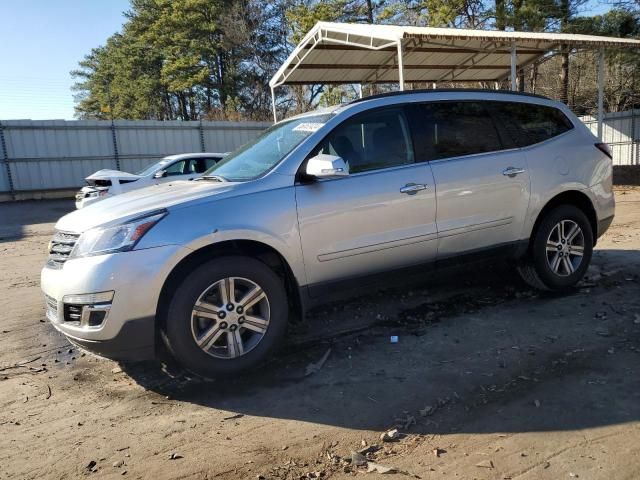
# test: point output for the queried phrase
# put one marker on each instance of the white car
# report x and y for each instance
(106, 183)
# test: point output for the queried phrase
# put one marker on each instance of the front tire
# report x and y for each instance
(226, 317)
(560, 250)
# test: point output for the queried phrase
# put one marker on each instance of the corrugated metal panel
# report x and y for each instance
(5, 184)
(227, 136)
(58, 154)
(458, 35)
(617, 132)
(156, 138)
(4, 181)
(54, 174)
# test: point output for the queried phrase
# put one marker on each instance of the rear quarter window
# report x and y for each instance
(528, 123)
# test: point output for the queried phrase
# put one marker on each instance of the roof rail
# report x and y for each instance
(441, 90)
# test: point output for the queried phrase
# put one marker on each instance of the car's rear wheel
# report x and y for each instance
(561, 250)
(226, 316)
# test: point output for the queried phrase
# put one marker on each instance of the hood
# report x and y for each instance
(106, 178)
(107, 174)
(120, 208)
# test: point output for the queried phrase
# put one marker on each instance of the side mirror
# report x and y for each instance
(327, 166)
(160, 174)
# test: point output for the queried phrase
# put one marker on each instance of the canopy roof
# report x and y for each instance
(362, 53)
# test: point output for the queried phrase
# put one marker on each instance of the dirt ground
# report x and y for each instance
(488, 380)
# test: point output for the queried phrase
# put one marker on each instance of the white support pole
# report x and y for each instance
(359, 90)
(400, 65)
(600, 92)
(273, 105)
(514, 67)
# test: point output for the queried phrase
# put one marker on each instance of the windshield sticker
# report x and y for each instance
(308, 127)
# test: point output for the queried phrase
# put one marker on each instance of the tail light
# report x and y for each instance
(605, 148)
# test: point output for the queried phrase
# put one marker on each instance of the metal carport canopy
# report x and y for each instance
(342, 53)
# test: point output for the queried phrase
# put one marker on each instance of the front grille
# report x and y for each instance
(60, 248)
(52, 308)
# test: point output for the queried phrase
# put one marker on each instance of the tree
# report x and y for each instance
(438, 13)
(623, 80)
(302, 15)
(185, 59)
(119, 80)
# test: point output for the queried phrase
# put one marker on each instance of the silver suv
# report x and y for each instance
(215, 269)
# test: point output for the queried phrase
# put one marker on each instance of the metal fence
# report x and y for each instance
(621, 130)
(49, 157)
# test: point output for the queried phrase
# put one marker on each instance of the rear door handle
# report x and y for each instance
(512, 171)
(413, 188)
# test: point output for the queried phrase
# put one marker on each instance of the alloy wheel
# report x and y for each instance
(565, 248)
(230, 318)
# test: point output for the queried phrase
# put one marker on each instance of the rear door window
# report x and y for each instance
(454, 129)
(199, 165)
(528, 123)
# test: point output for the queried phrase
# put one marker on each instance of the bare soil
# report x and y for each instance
(488, 380)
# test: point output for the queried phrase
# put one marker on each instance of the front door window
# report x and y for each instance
(371, 141)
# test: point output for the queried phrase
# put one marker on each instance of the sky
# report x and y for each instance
(43, 40)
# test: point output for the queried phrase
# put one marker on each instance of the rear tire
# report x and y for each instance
(560, 250)
(226, 317)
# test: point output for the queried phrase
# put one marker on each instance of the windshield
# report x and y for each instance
(262, 154)
(152, 168)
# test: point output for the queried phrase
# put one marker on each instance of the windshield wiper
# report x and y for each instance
(215, 178)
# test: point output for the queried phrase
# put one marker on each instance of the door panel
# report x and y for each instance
(363, 224)
(478, 205)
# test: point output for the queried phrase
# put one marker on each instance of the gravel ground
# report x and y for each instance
(489, 380)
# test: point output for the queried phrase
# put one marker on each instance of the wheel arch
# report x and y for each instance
(570, 197)
(250, 248)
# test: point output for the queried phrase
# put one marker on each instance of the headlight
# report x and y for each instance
(119, 238)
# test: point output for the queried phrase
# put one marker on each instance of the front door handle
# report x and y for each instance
(412, 188)
(512, 171)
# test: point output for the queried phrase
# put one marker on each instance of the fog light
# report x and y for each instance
(89, 298)
(86, 315)
(96, 317)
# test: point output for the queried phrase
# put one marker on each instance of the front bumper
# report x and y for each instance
(134, 342)
(127, 332)
(88, 195)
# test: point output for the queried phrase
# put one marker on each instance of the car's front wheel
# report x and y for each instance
(226, 316)
(560, 251)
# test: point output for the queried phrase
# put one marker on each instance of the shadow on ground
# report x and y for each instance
(31, 217)
(483, 354)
